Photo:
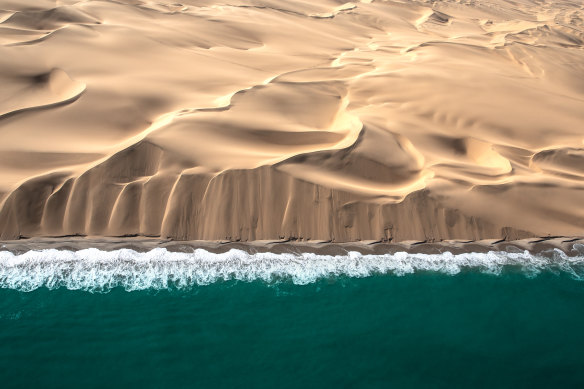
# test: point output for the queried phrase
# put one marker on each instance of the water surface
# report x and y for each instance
(429, 328)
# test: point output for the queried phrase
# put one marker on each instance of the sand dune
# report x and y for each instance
(272, 119)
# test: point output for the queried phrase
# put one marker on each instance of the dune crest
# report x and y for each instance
(270, 119)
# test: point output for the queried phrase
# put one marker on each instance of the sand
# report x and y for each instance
(543, 247)
(307, 120)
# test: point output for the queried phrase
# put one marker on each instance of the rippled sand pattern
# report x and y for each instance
(371, 120)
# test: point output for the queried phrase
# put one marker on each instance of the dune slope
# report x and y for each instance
(272, 119)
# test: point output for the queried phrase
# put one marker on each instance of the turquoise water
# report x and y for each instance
(470, 328)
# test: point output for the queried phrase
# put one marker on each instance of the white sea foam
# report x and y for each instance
(96, 270)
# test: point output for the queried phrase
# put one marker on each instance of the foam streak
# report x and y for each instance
(98, 271)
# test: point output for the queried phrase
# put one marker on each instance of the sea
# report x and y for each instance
(159, 319)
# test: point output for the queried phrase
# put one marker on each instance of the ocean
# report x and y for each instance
(94, 319)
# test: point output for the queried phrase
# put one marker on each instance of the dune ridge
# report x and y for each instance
(270, 119)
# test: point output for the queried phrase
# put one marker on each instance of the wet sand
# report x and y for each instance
(534, 246)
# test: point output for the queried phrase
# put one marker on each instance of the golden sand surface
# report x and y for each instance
(276, 119)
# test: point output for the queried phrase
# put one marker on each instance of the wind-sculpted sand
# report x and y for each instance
(273, 119)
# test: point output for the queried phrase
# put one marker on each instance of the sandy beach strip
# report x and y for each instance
(569, 245)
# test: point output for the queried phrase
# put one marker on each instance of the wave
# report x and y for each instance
(100, 271)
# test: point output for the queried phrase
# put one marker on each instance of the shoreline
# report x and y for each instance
(142, 244)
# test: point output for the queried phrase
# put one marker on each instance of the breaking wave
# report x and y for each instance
(98, 271)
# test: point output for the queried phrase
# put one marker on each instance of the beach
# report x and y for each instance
(143, 245)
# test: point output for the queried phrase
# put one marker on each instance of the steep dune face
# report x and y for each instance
(271, 119)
